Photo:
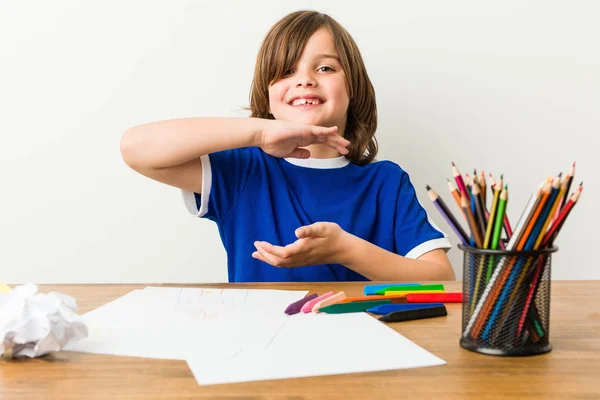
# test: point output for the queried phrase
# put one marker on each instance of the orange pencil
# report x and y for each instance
(394, 299)
(456, 195)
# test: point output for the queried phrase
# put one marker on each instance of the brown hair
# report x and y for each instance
(283, 45)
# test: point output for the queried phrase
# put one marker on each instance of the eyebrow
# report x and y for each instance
(322, 56)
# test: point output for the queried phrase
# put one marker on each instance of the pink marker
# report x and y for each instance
(309, 306)
(330, 300)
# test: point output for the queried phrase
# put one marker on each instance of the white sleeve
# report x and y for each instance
(190, 199)
(426, 247)
(432, 244)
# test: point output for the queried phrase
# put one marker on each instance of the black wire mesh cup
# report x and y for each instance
(506, 301)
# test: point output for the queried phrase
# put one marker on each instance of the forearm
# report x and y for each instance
(378, 264)
(173, 142)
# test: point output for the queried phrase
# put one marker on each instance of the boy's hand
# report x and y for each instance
(285, 139)
(319, 243)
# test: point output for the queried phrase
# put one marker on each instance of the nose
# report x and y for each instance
(306, 80)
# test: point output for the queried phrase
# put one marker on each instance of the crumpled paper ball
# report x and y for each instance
(33, 324)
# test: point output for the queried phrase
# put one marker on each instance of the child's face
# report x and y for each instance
(317, 77)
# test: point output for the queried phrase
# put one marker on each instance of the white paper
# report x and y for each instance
(239, 335)
(169, 323)
(33, 324)
(316, 344)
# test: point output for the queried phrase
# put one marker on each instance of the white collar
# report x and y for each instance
(319, 163)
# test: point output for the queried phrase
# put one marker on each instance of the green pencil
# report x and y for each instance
(497, 231)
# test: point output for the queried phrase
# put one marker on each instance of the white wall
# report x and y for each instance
(453, 80)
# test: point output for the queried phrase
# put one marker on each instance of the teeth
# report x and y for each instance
(300, 102)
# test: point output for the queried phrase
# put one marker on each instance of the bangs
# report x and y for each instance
(285, 47)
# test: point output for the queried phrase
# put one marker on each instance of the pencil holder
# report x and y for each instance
(506, 301)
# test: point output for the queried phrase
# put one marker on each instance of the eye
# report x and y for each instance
(329, 68)
(288, 72)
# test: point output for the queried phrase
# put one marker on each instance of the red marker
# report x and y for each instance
(434, 297)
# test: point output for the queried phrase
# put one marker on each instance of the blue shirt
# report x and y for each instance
(252, 196)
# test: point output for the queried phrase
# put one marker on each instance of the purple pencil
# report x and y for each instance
(441, 206)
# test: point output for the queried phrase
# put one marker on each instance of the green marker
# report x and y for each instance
(410, 288)
(355, 306)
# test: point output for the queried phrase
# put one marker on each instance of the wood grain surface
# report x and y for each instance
(570, 371)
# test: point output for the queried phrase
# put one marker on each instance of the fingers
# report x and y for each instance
(275, 250)
(329, 137)
(338, 143)
(317, 229)
(278, 256)
(267, 257)
(324, 130)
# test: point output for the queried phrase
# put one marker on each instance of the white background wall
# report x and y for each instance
(509, 87)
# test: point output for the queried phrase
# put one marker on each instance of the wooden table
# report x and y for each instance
(571, 370)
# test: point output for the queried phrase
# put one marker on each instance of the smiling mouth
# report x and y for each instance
(306, 104)
(302, 102)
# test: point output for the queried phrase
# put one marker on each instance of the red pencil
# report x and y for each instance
(459, 181)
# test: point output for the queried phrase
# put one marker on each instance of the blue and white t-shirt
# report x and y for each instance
(252, 196)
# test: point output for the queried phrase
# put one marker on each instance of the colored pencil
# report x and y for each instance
(455, 194)
(466, 207)
(441, 206)
(459, 180)
(497, 230)
(554, 229)
(570, 175)
(479, 210)
(507, 228)
(483, 187)
(492, 219)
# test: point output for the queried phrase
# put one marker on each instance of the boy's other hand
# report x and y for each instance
(319, 243)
